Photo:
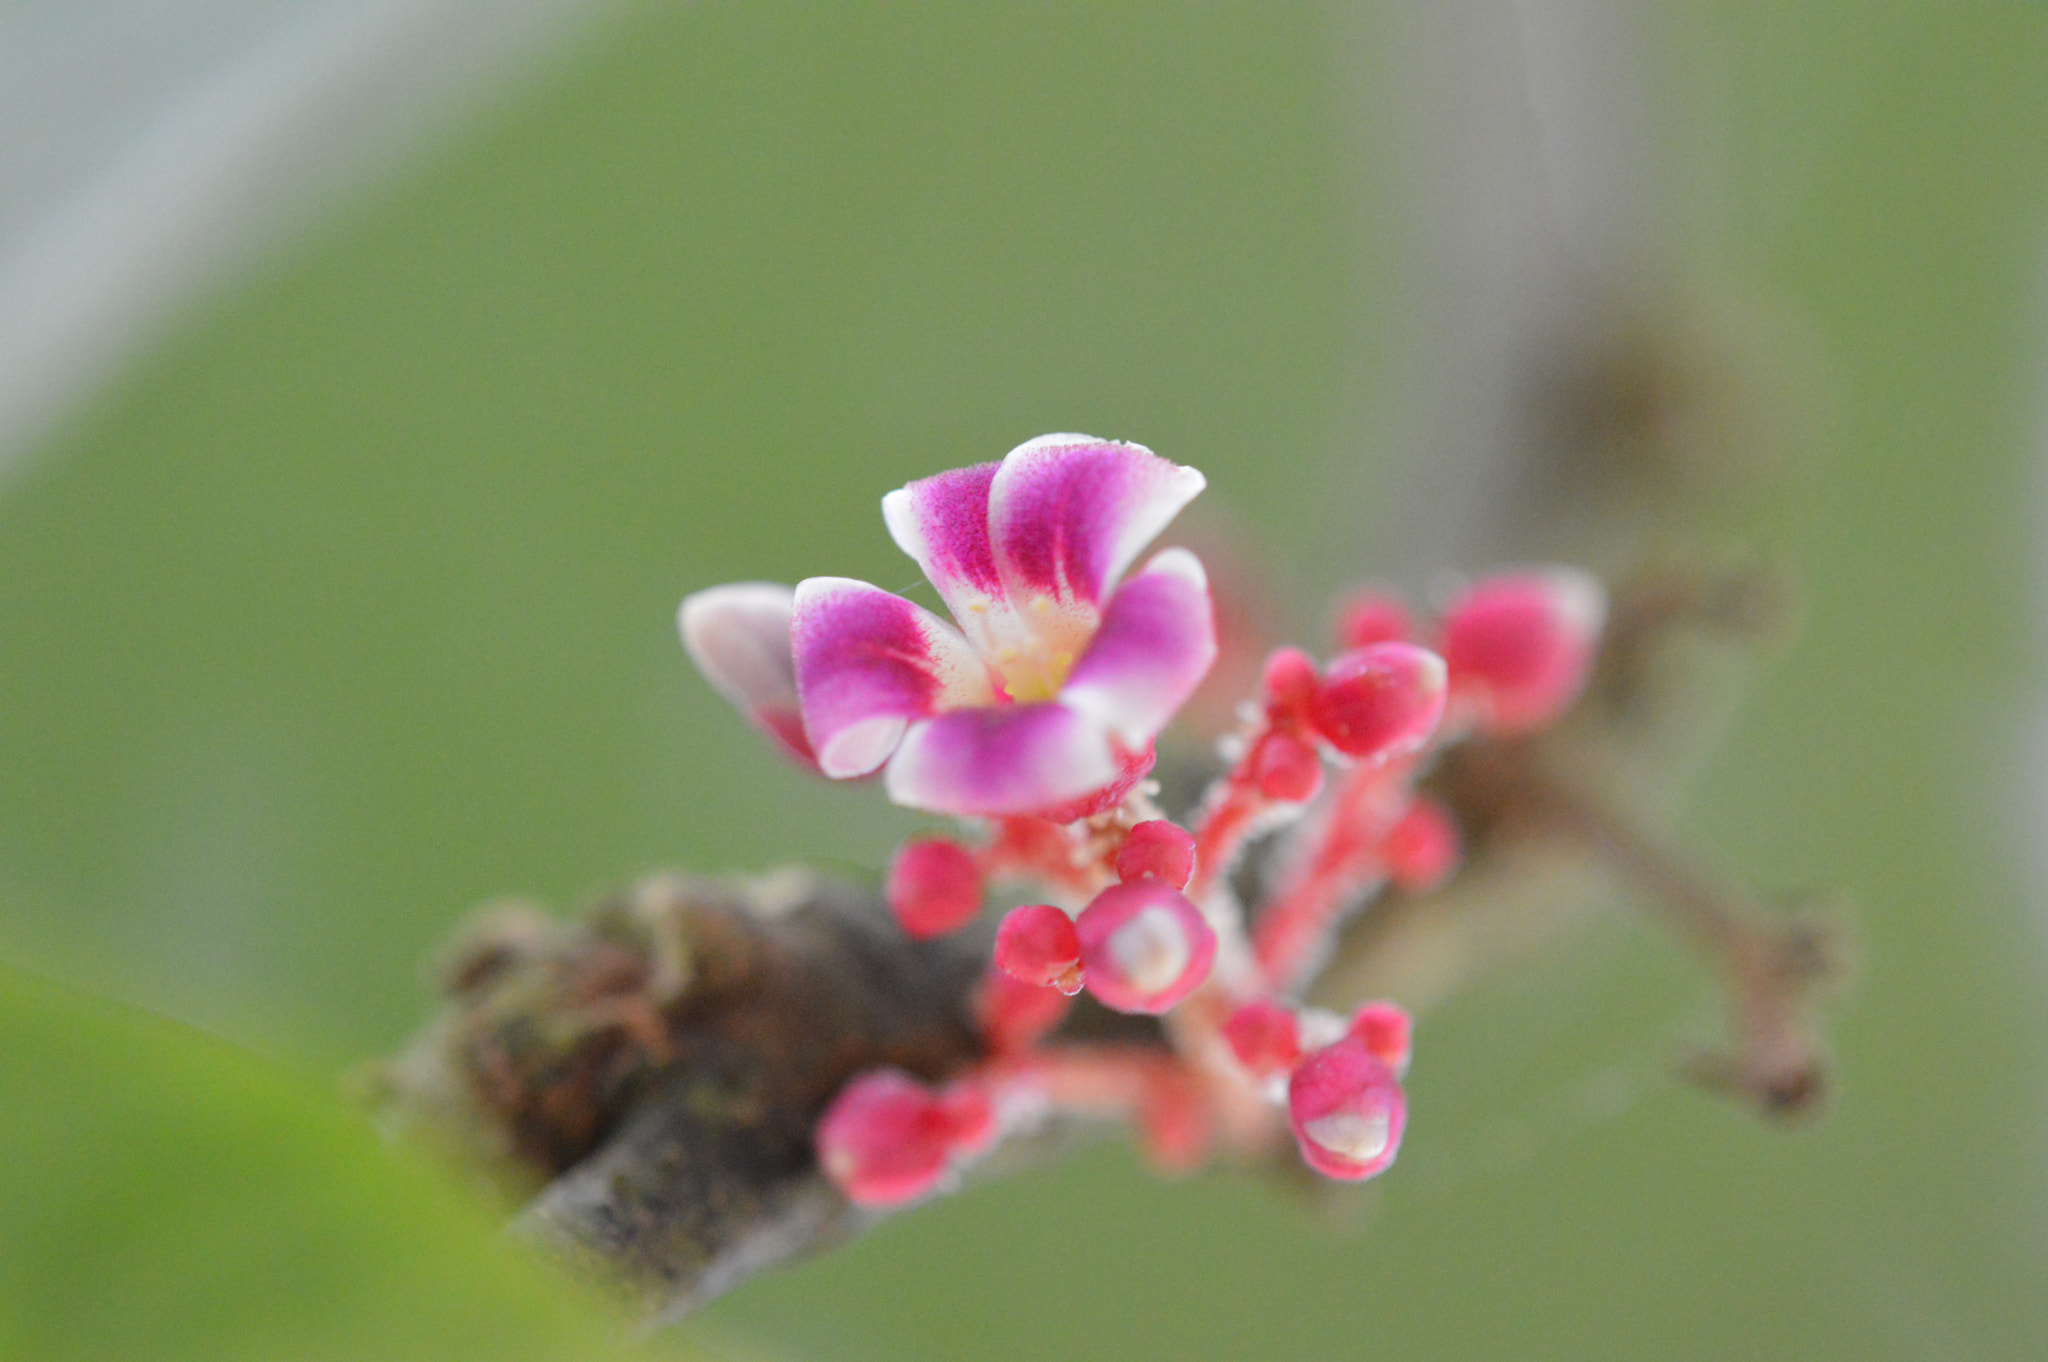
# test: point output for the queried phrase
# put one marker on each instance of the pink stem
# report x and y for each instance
(1294, 930)
(1225, 823)
(1032, 848)
(1119, 1082)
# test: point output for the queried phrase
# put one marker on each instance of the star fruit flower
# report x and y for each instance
(1044, 693)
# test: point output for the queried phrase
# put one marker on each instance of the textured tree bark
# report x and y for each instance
(655, 1071)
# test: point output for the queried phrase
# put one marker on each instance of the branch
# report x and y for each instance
(656, 1071)
(649, 1080)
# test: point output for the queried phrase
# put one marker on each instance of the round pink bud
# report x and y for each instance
(970, 1119)
(1037, 944)
(1144, 946)
(1520, 646)
(1159, 850)
(886, 1139)
(1370, 617)
(1014, 1015)
(1380, 701)
(1290, 683)
(1421, 848)
(934, 887)
(1388, 1031)
(1287, 769)
(1346, 1109)
(1264, 1036)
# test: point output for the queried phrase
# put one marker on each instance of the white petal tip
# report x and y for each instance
(1179, 563)
(738, 635)
(860, 748)
(1068, 439)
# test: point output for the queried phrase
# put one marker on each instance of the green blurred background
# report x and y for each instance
(352, 607)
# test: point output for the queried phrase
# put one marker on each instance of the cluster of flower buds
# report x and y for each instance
(1139, 945)
(1030, 717)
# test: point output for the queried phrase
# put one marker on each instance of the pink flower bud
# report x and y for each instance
(1037, 944)
(1380, 701)
(1287, 769)
(1144, 946)
(1370, 617)
(1388, 1032)
(1290, 683)
(1264, 1036)
(971, 1119)
(1421, 848)
(1347, 1111)
(1157, 849)
(1519, 647)
(1014, 1015)
(887, 1138)
(934, 887)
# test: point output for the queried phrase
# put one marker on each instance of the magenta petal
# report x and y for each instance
(1009, 759)
(942, 522)
(738, 635)
(1068, 513)
(1154, 645)
(867, 663)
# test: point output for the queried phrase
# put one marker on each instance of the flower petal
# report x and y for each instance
(1068, 513)
(942, 522)
(1011, 759)
(867, 662)
(1153, 647)
(738, 635)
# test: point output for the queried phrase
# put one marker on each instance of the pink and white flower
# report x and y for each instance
(1044, 693)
